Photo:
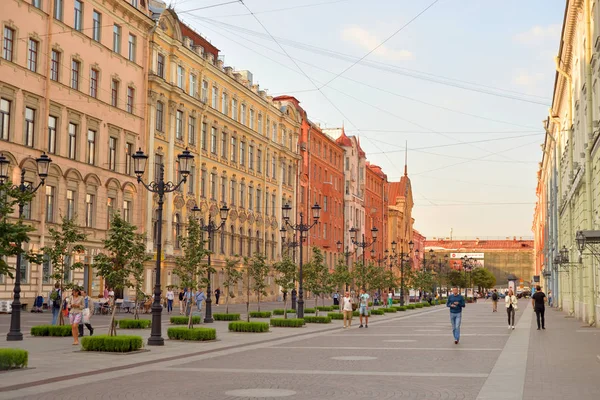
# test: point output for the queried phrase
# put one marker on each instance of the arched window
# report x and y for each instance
(177, 230)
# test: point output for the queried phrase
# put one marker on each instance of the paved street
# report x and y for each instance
(406, 355)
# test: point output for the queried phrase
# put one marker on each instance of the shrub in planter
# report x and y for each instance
(279, 311)
(181, 320)
(355, 313)
(287, 323)
(389, 310)
(379, 311)
(311, 310)
(419, 305)
(198, 334)
(13, 358)
(51, 330)
(426, 305)
(395, 301)
(325, 308)
(243, 326)
(113, 344)
(134, 323)
(370, 304)
(226, 317)
(317, 320)
(411, 306)
(259, 314)
(401, 308)
(335, 315)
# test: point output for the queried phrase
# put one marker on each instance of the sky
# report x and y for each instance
(465, 83)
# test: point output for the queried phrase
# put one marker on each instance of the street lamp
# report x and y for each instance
(403, 259)
(160, 187)
(303, 228)
(43, 163)
(211, 228)
(347, 255)
(363, 245)
(290, 245)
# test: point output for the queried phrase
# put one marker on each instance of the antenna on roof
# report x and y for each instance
(406, 158)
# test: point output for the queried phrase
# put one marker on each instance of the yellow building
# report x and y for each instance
(244, 144)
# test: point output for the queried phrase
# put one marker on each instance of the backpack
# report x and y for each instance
(495, 296)
(55, 297)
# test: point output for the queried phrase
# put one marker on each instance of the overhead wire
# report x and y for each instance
(207, 7)
(283, 9)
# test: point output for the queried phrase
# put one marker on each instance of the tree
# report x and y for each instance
(231, 276)
(65, 242)
(359, 275)
(456, 279)
(422, 280)
(285, 277)
(190, 267)
(483, 278)
(317, 279)
(341, 277)
(123, 266)
(258, 270)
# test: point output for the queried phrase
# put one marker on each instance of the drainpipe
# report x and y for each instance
(557, 167)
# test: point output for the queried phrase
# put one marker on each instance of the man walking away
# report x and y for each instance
(86, 314)
(495, 301)
(181, 301)
(537, 301)
(456, 302)
(363, 308)
(55, 302)
(200, 297)
(217, 295)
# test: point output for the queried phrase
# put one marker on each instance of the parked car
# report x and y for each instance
(524, 295)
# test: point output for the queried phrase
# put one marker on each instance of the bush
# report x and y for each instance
(370, 304)
(395, 301)
(411, 306)
(379, 311)
(51, 330)
(324, 308)
(426, 305)
(13, 358)
(401, 308)
(259, 314)
(389, 310)
(243, 326)
(134, 323)
(356, 313)
(279, 311)
(311, 310)
(184, 320)
(199, 334)
(226, 317)
(113, 344)
(317, 320)
(419, 305)
(335, 315)
(287, 323)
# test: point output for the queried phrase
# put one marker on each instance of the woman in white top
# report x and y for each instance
(512, 305)
(170, 298)
(347, 309)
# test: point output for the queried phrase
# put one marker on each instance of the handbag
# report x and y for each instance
(86, 315)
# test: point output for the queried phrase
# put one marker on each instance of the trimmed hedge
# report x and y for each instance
(113, 344)
(356, 313)
(259, 314)
(411, 307)
(279, 311)
(311, 310)
(379, 311)
(401, 308)
(419, 305)
(134, 323)
(243, 326)
(335, 315)
(181, 320)
(325, 308)
(13, 358)
(226, 317)
(51, 330)
(395, 301)
(287, 323)
(389, 310)
(426, 305)
(317, 320)
(198, 334)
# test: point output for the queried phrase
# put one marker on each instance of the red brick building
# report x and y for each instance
(376, 207)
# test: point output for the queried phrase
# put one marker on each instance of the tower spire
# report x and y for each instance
(406, 158)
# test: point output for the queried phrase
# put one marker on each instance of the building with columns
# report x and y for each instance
(73, 85)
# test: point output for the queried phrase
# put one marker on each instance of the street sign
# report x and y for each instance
(469, 255)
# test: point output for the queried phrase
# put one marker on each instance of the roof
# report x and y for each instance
(361, 152)
(344, 140)
(480, 244)
(398, 189)
(376, 169)
(198, 39)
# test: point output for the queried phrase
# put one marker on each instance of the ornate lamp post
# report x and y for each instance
(403, 259)
(303, 229)
(43, 163)
(211, 228)
(160, 187)
(290, 245)
(363, 245)
(347, 254)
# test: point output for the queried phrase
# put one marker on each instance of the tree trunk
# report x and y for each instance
(285, 307)
(227, 302)
(258, 301)
(317, 306)
(191, 318)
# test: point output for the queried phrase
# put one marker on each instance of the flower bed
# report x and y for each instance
(51, 330)
(182, 320)
(243, 326)
(317, 320)
(112, 344)
(134, 323)
(287, 323)
(260, 314)
(226, 317)
(13, 359)
(196, 334)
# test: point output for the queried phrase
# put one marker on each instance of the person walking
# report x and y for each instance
(456, 302)
(347, 309)
(512, 305)
(55, 299)
(363, 308)
(200, 297)
(336, 298)
(537, 301)
(550, 298)
(495, 301)
(75, 314)
(86, 314)
(217, 295)
(181, 302)
(170, 298)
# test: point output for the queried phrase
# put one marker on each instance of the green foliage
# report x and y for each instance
(378, 311)
(287, 323)
(113, 344)
(389, 310)
(356, 313)
(197, 334)
(260, 314)
(423, 280)
(280, 311)
(231, 276)
(258, 270)
(51, 330)
(317, 320)
(341, 276)
(182, 320)
(483, 278)
(325, 308)
(13, 358)
(456, 279)
(411, 306)
(394, 301)
(134, 323)
(226, 317)
(317, 278)
(401, 308)
(244, 326)
(310, 310)
(285, 275)
(359, 274)
(419, 305)
(335, 315)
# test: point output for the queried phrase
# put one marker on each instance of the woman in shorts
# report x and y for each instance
(75, 314)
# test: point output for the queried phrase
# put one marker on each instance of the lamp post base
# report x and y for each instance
(300, 309)
(14, 336)
(156, 341)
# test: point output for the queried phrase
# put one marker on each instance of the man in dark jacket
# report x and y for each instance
(538, 302)
(456, 303)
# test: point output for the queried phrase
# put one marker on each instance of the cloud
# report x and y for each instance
(539, 34)
(368, 41)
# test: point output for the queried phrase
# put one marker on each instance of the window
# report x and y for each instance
(274, 133)
(251, 157)
(274, 166)
(127, 210)
(96, 25)
(135, 3)
(224, 189)
(347, 163)
(324, 203)
(241, 236)
(36, 3)
(273, 201)
(46, 269)
(260, 123)
(347, 187)
(267, 164)
(94, 83)
(242, 195)
(77, 15)
(128, 158)
(180, 77)
(158, 165)
(224, 145)
(250, 198)
(258, 200)
(54, 65)
(110, 206)
(234, 108)
(49, 203)
(75, 67)
(191, 180)
(203, 183)
(70, 204)
(251, 119)
(213, 186)
(259, 161)
(89, 210)
(52, 134)
(72, 141)
(242, 153)
(27, 204)
(232, 193)
(222, 241)
(243, 114)
(114, 93)
(193, 83)
(91, 147)
(204, 94)
(33, 55)
(8, 44)
(179, 125)
(231, 240)
(283, 133)
(112, 153)
(130, 96)
(24, 269)
(117, 38)
(132, 47)
(213, 140)
(224, 104)
(177, 232)
(58, 9)
(160, 66)
(290, 182)
(203, 136)
(233, 149)
(215, 95)
(29, 126)
(159, 116)
(191, 130)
